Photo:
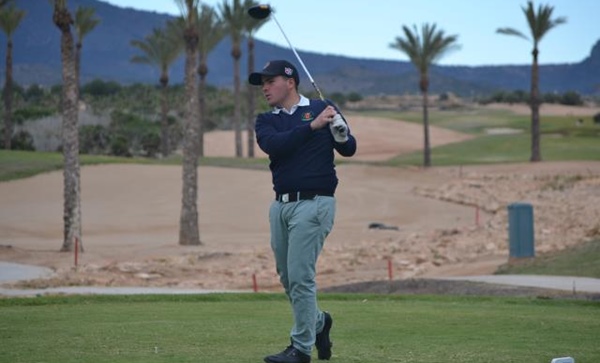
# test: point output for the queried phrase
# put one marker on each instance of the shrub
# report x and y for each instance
(98, 88)
(354, 97)
(597, 118)
(150, 143)
(31, 113)
(93, 139)
(571, 98)
(22, 140)
(119, 146)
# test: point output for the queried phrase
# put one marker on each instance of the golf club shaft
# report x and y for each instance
(299, 59)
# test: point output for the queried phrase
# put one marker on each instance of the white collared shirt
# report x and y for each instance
(303, 102)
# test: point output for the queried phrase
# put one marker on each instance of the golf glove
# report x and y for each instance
(339, 129)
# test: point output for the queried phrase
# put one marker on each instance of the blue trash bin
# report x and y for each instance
(520, 230)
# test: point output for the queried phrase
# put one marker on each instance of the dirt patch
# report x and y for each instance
(456, 288)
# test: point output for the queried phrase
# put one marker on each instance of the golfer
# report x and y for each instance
(300, 136)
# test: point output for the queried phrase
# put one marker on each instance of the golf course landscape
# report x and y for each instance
(125, 231)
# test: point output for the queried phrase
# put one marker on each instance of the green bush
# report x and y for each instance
(93, 139)
(22, 140)
(99, 88)
(597, 118)
(119, 146)
(31, 113)
(150, 141)
(571, 98)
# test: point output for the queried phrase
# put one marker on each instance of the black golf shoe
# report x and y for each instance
(289, 355)
(323, 343)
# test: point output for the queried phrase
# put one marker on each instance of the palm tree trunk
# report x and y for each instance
(535, 110)
(8, 97)
(237, 108)
(251, 100)
(164, 110)
(189, 233)
(78, 63)
(202, 72)
(426, 144)
(70, 146)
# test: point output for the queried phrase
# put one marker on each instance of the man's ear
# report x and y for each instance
(292, 83)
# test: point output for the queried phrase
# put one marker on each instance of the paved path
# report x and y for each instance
(566, 283)
(10, 272)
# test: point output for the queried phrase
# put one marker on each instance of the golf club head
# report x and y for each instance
(260, 11)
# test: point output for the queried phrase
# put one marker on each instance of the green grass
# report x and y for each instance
(242, 328)
(494, 149)
(561, 139)
(469, 121)
(22, 164)
(581, 260)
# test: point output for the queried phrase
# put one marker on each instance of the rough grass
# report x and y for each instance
(22, 164)
(581, 260)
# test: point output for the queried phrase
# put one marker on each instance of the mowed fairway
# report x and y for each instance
(243, 328)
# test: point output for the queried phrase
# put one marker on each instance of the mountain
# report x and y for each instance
(107, 53)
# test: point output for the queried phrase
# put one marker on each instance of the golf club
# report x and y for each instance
(262, 12)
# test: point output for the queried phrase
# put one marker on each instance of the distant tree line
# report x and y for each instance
(569, 98)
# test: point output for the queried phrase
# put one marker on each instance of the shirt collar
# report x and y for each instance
(303, 102)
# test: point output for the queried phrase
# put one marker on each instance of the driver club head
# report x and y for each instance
(260, 11)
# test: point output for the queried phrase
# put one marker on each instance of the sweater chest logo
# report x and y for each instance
(307, 116)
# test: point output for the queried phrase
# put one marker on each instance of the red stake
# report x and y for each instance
(76, 250)
(254, 283)
(390, 270)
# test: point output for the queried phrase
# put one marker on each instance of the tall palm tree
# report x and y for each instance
(540, 23)
(10, 18)
(189, 233)
(161, 48)
(211, 32)
(85, 22)
(250, 27)
(423, 49)
(70, 132)
(235, 17)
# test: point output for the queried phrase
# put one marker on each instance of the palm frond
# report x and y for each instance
(10, 18)
(85, 21)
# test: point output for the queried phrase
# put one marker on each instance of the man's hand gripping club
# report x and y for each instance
(336, 123)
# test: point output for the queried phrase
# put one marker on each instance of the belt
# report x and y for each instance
(296, 196)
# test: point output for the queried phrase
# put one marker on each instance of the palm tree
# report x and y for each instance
(161, 48)
(10, 18)
(211, 32)
(251, 26)
(539, 24)
(235, 17)
(423, 50)
(84, 24)
(189, 233)
(70, 132)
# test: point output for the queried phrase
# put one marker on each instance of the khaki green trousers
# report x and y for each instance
(298, 232)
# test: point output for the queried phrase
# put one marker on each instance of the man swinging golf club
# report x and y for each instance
(300, 136)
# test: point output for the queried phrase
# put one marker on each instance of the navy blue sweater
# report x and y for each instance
(301, 159)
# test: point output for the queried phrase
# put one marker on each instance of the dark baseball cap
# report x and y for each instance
(275, 68)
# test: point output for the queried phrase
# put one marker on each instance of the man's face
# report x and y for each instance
(276, 89)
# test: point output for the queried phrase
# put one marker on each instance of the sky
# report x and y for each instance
(365, 29)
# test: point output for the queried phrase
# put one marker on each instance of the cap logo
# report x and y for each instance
(288, 71)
